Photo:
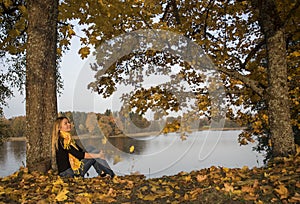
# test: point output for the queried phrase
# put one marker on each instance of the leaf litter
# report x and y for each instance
(277, 182)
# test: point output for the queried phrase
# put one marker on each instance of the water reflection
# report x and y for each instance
(118, 144)
(168, 154)
(12, 157)
(157, 156)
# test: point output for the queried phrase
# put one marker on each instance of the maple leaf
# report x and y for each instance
(84, 52)
(62, 195)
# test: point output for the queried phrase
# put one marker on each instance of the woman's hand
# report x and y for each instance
(100, 155)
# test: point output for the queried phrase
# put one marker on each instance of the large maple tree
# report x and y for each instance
(256, 52)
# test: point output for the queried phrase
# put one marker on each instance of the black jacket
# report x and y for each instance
(62, 156)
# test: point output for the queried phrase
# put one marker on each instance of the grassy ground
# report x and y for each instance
(278, 182)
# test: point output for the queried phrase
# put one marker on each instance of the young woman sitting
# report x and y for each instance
(71, 160)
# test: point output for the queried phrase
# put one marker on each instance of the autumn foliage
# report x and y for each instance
(278, 182)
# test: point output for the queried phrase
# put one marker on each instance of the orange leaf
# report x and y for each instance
(295, 198)
(282, 191)
(201, 178)
(228, 187)
(247, 189)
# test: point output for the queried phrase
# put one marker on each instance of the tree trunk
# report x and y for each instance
(278, 96)
(41, 100)
(277, 93)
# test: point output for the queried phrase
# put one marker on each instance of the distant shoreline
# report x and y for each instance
(143, 134)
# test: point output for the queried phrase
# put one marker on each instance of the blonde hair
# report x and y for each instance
(55, 137)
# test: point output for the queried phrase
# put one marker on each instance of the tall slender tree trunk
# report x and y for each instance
(41, 99)
(277, 93)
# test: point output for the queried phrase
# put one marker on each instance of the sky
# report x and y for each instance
(77, 74)
(74, 74)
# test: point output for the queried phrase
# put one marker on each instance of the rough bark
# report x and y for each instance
(41, 100)
(278, 98)
(277, 93)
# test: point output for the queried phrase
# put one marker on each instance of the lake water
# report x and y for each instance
(157, 155)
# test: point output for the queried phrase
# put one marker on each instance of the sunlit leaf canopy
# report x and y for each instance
(228, 32)
(150, 54)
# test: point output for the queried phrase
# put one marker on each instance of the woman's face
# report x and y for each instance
(65, 125)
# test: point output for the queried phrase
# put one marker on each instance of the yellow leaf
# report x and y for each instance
(238, 192)
(297, 150)
(150, 197)
(131, 149)
(225, 169)
(62, 195)
(58, 181)
(58, 51)
(296, 54)
(1, 190)
(71, 32)
(282, 191)
(144, 188)
(188, 178)
(244, 2)
(168, 191)
(104, 140)
(85, 195)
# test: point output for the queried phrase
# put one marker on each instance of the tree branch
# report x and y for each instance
(292, 12)
(250, 55)
(176, 13)
(166, 12)
(248, 82)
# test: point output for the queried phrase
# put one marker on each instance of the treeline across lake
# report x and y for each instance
(109, 124)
